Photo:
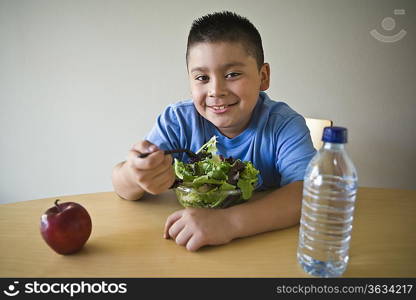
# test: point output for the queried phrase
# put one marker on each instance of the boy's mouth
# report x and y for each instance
(221, 108)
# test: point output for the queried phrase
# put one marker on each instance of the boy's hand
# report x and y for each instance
(197, 227)
(154, 173)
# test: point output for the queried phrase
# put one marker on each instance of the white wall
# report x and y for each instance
(81, 81)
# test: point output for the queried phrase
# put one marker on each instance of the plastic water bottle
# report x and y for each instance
(330, 187)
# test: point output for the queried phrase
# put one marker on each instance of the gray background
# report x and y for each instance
(81, 81)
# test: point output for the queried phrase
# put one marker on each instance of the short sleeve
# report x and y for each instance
(295, 150)
(166, 131)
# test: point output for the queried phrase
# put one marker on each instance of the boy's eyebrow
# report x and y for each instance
(233, 64)
(226, 66)
(198, 69)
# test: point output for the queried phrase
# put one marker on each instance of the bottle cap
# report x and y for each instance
(338, 135)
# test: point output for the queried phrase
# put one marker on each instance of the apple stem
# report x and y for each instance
(56, 204)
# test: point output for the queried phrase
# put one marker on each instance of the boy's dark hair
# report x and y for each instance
(227, 26)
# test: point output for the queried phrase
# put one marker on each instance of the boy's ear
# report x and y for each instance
(265, 77)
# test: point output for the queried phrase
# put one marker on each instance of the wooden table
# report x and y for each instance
(127, 241)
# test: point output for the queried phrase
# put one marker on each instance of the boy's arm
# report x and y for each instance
(278, 209)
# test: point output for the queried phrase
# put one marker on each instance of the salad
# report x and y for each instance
(212, 181)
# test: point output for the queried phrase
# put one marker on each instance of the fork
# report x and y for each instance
(189, 152)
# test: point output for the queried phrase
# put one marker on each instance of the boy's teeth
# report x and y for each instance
(220, 107)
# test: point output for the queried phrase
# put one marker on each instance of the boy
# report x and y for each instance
(228, 78)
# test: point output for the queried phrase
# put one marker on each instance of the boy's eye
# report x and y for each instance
(232, 74)
(202, 78)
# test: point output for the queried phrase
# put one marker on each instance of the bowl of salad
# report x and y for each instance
(212, 181)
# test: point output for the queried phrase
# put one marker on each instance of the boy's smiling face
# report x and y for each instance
(225, 84)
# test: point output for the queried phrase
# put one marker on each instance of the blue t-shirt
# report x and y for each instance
(277, 140)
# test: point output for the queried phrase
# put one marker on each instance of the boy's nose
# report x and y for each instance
(217, 89)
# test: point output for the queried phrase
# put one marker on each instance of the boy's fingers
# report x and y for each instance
(150, 162)
(158, 185)
(170, 221)
(166, 182)
(163, 173)
(194, 243)
(183, 237)
(144, 147)
(169, 159)
(176, 228)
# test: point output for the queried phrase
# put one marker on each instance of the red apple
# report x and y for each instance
(66, 227)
